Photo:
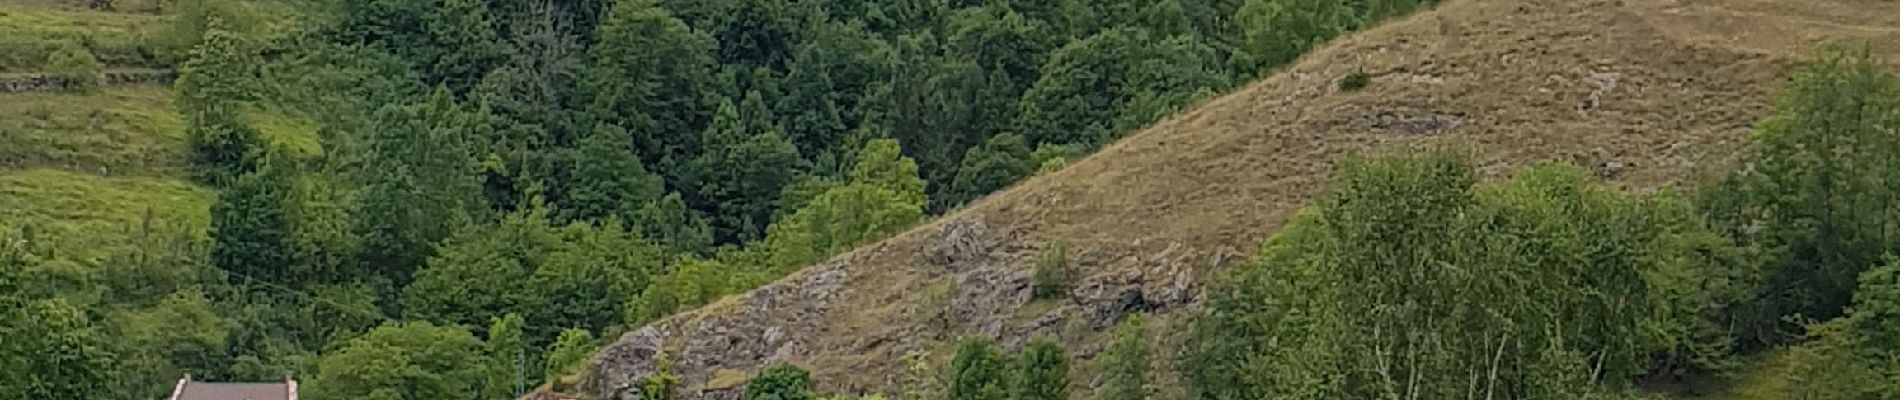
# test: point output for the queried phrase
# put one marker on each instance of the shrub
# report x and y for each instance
(918, 381)
(938, 306)
(1042, 372)
(978, 371)
(403, 361)
(568, 352)
(1851, 357)
(659, 384)
(1124, 364)
(780, 382)
(1052, 272)
(1354, 81)
(75, 65)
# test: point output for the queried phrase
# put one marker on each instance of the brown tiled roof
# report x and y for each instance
(192, 390)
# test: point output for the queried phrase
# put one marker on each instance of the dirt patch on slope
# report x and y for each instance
(1600, 83)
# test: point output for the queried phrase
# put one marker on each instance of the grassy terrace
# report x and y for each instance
(112, 131)
(29, 30)
(88, 215)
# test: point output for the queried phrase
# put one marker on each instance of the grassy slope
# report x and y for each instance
(29, 29)
(87, 215)
(113, 131)
(1662, 89)
(83, 168)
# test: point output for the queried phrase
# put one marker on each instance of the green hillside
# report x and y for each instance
(30, 30)
(951, 199)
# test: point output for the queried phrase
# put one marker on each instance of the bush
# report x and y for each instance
(1850, 357)
(74, 65)
(568, 352)
(661, 383)
(978, 371)
(1354, 81)
(403, 361)
(1052, 272)
(1042, 372)
(780, 382)
(1124, 364)
(918, 381)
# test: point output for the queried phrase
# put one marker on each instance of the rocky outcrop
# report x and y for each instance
(962, 242)
(772, 324)
(975, 280)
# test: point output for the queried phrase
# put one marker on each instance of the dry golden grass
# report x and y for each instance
(1651, 91)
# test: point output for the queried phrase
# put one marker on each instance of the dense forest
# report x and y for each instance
(498, 185)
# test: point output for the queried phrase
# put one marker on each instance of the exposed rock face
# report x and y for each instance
(987, 296)
(961, 242)
(985, 280)
(771, 324)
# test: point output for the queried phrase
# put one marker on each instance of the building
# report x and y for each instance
(188, 389)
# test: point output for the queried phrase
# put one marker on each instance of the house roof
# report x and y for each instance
(188, 389)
